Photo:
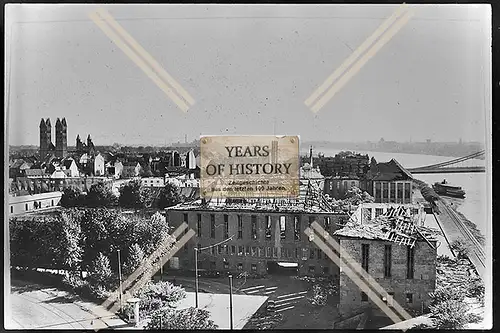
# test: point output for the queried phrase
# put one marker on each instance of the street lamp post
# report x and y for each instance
(231, 301)
(196, 274)
(120, 277)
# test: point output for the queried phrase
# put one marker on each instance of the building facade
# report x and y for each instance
(406, 274)
(254, 239)
(27, 203)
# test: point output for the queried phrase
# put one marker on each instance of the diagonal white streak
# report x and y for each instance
(154, 269)
(362, 61)
(354, 277)
(149, 59)
(357, 268)
(152, 257)
(138, 61)
(352, 58)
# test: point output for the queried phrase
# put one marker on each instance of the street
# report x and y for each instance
(38, 307)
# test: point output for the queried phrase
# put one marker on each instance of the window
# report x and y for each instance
(268, 252)
(283, 227)
(212, 225)
(254, 227)
(377, 193)
(226, 248)
(387, 261)
(365, 252)
(364, 297)
(378, 211)
(327, 223)
(52, 202)
(296, 252)
(311, 269)
(311, 253)
(240, 250)
(26, 206)
(233, 249)
(385, 191)
(226, 226)
(410, 262)
(319, 253)
(213, 250)
(185, 218)
(409, 298)
(254, 250)
(393, 191)
(296, 227)
(338, 185)
(407, 192)
(275, 252)
(11, 209)
(326, 270)
(219, 249)
(400, 191)
(254, 267)
(240, 227)
(226, 265)
(304, 253)
(268, 227)
(247, 252)
(282, 252)
(353, 183)
(311, 220)
(240, 266)
(198, 225)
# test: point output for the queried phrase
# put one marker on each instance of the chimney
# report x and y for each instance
(311, 156)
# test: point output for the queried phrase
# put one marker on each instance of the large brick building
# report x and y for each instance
(260, 236)
(398, 254)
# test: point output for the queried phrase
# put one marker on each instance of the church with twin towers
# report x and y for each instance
(46, 145)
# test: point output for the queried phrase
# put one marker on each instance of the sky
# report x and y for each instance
(249, 70)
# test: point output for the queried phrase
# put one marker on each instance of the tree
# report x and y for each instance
(100, 271)
(450, 314)
(460, 248)
(100, 196)
(185, 319)
(134, 258)
(169, 196)
(72, 197)
(130, 194)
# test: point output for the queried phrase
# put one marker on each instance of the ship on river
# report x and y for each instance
(444, 188)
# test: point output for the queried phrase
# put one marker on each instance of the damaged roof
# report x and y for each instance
(397, 229)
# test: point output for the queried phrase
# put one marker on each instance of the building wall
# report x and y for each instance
(423, 283)
(338, 187)
(26, 203)
(37, 185)
(99, 166)
(153, 182)
(265, 249)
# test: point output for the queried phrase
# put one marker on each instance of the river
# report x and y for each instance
(474, 206)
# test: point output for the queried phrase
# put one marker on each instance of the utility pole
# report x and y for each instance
(196, 274)
(231, 301)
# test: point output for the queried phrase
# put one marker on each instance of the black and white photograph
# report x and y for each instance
(248, 166)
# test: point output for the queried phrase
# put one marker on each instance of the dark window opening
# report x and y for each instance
(275, 252)
(233, 249)
(365, 252)
(268, 227)
(410, 262)
(326, 270)
(254, 250)
(226, 265)
(240, 250)
(240, 266)
(198, 225)
(311, 220)
(311, 269)
(186, 218)
(311, 253)
(319, 253)
(226, 227)
(283, 227)
(296, 227)
(387, 261)
(327, 223)
(254, 227)
(378, 212)
(11, 209)
(240, 227)
(409, 298)
(212, 226)
(254, 267)
(364, 297)
(247, 250)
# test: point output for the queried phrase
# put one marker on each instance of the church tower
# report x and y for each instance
(61, 138)
(45, 137)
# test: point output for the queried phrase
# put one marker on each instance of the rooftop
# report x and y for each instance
(398, 229)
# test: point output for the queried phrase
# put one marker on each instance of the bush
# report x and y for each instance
(157, 295)
(450, 314)
(186, 319)
(460, 248)
(72, 197)
(100, 196)
(476, 289)
(441, 295)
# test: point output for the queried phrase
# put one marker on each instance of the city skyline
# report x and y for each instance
(252, 78)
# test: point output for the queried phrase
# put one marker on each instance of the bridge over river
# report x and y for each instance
(465, 164)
